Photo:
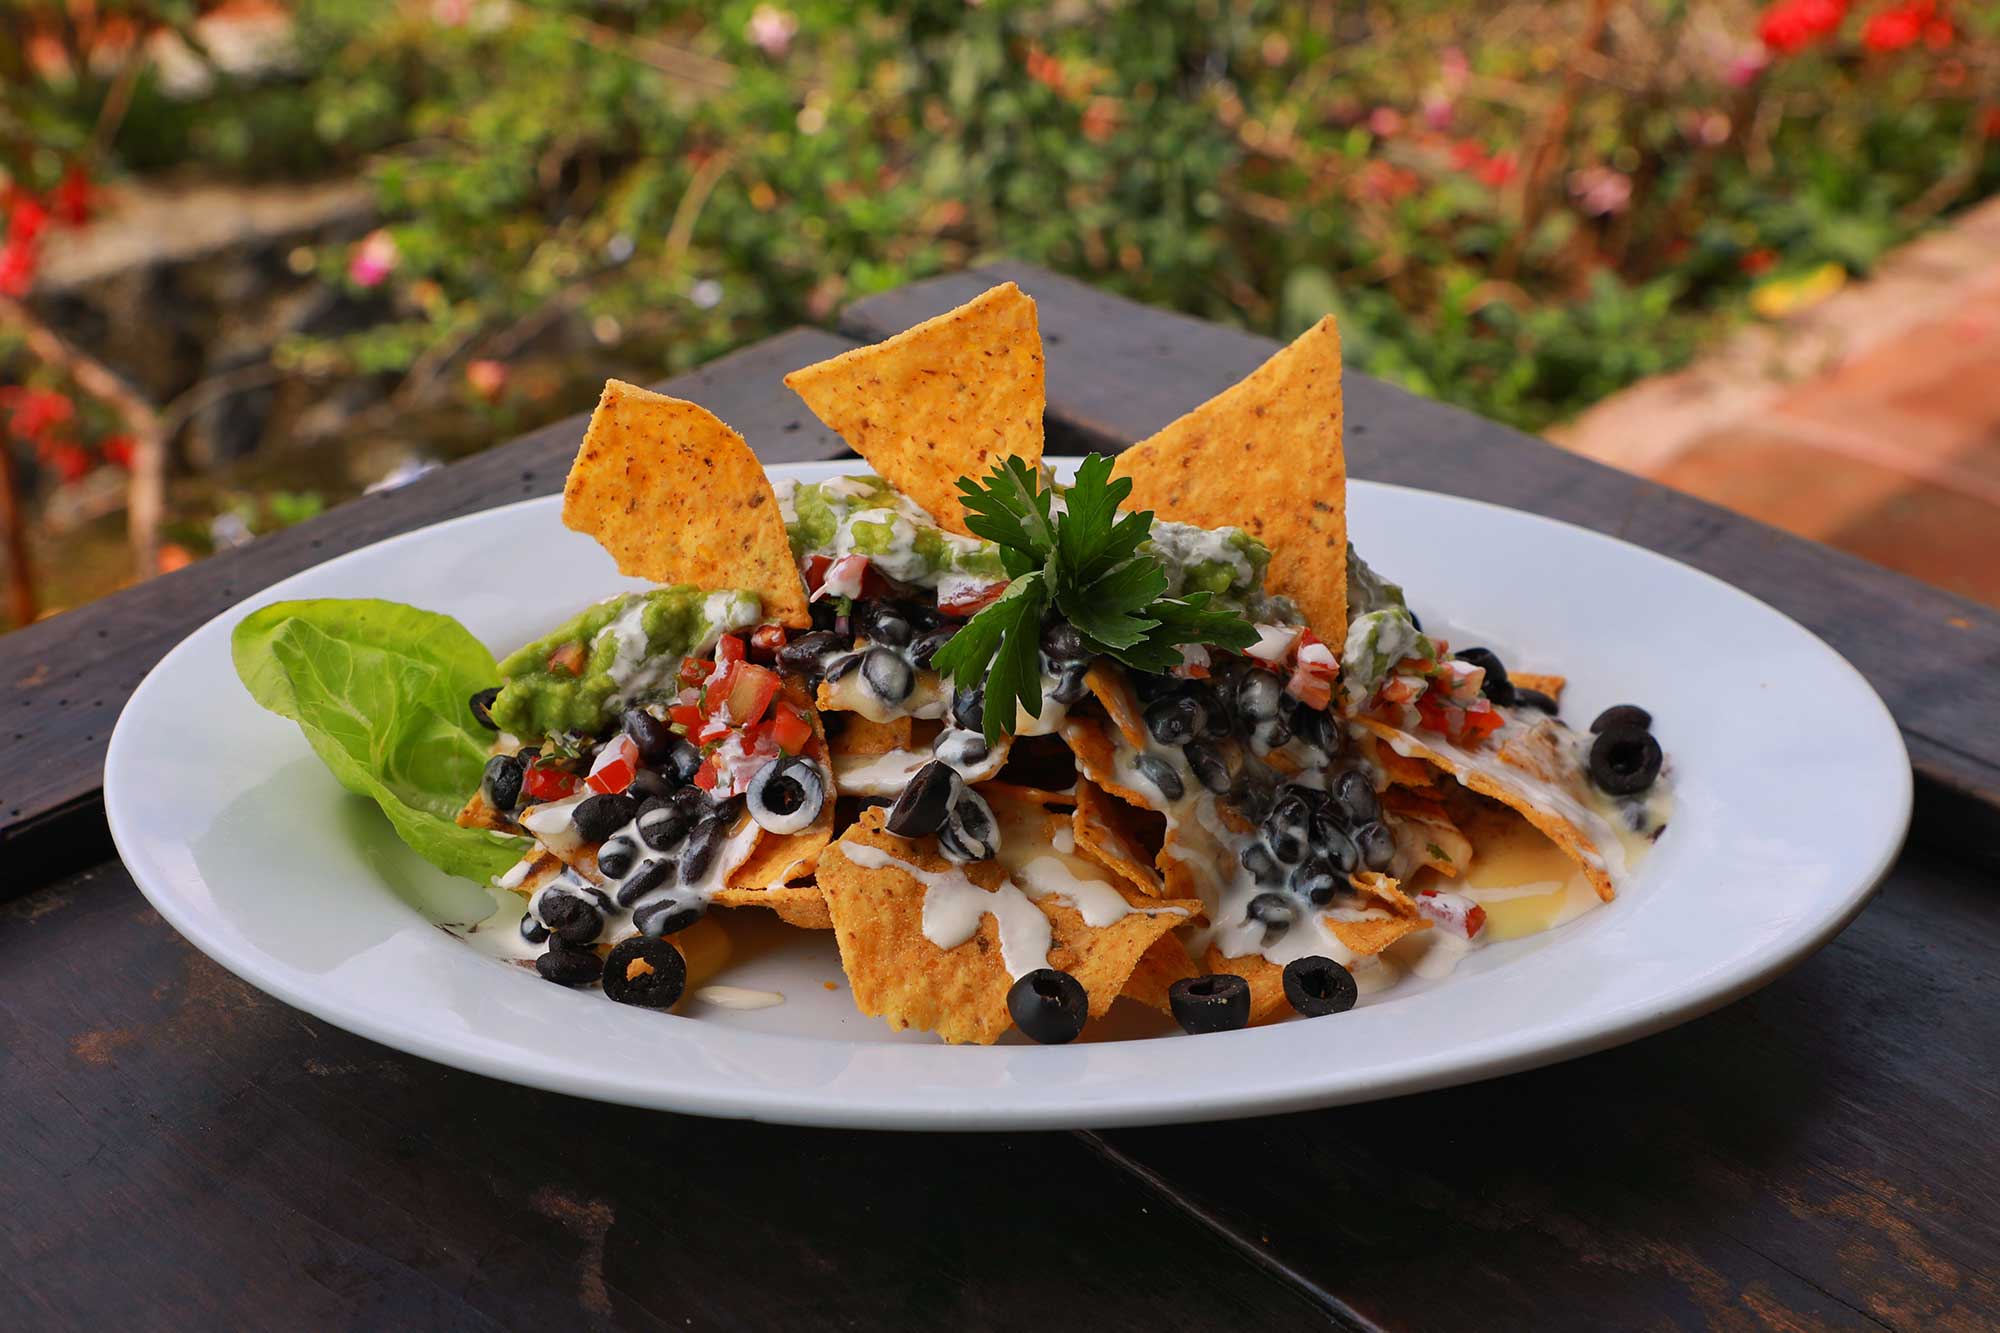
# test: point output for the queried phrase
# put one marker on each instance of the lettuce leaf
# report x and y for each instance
(381, 692)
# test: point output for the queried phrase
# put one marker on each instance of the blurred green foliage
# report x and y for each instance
(1517, 207)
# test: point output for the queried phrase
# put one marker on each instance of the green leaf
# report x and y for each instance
(1011, 509)
(1114, 611)
(380, 691)
(1016, 677)
(1185, 621)
(1088, 541)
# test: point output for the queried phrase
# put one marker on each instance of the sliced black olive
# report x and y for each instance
(926, 801)
(651, 735)
(1354, 797)
(807, 651)
(649, 973)
(970, 832)
(533, 931)
(1624, 760)
(1330, 841)
(616, 858)
(1527, 698)
(668, 916)
(968, 707)
(653, 874)
(1317, 881)
(1376, 844)
(598, 817)
(1048, 1006)
(1063, 642)
(1174, 720)
(1623, 715)
(482, 708)
(1263, 867)
(1161, 774)
(786, 795)
(570, 917)
(1218, 1002)
(882, 622)
(569, 966)
(927, 644)
(502, 781)
(1496, 686)
(1317, 985)
(1259, 696)
(1071, 684)
(1211, 770)
(889, 677)
(662, 825)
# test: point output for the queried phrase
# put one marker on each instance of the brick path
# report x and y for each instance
(1870, 422)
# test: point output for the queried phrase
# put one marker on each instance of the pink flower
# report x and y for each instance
(1385, 122)
(1601, 191)
(1437, 109)
(770, 30)
(373, 260)
(451, 13)
(1743, 68)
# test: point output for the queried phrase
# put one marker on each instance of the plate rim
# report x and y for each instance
(973, 1109)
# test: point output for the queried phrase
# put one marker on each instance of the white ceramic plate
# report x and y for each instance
(1793, 796)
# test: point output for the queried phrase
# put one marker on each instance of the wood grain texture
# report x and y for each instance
(1117, 371)
(63, 681)
(1818, 1155)
(184, 1152)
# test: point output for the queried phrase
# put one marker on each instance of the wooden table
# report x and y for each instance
(182, 1152)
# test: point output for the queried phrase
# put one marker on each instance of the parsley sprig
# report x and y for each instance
(1085, 562)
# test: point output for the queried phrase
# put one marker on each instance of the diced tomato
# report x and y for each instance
(969, 599)
(748, 692)
(728, 649)
(568, 660)
(1482, 719)
(1401, 689)
(1440, 714)
(1314, 656)
(1452, 912)
(549, 784)
(615, 766)
(694, 670)
(843, 578)
(1310, 688)
(710, 729)
(1274, 643)
(704, 777)
(765, 641)
(686, 716)
(816, 567)
(790, 728)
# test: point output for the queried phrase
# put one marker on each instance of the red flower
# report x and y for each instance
(1892, 30)
(38, 411)
(1466, 154)
(69, 460)
(17, 269)
(1499, 169)
(1790, 26)
(118, 450)
(26, 221)
(72, 198)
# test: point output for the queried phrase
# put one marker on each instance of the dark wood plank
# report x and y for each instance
(183, 1152)
(1117, 371)
(1818, 1155)
(63, 681)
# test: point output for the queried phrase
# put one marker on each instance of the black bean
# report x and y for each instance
(1623, 715)
(699, 854)
(1317, 985)
(502, 782)
(1317, 881)
(650, 876)
(568, 966)
(651, 785)
(1271, 733)
(882, 622)
(482, 708)
(888, 676)
(926, 647)
(843, 666)
(968, 707)
(1161, 774)
(1219, 1002)
(648, 973)
(668, 916)
(1259, 695)
(1049, 1006)
(533, 931)
(1625, 760)
(1330, 841)
(725, 809)
(1263, 867)
(1319, 728)
(570, 917)
(1496, 686)
(787, 794)
(616, 857)
(1214, 715)
(683, 762)
(662, 825)
(1527, 698)
(1173, 720)
(598, 817)
(1211, 770)
(1288, 826)
(1063, 642)
(648, 733)
(1354, 797)
(807, 651)
(1071, 685)
(961, 749)
(925, 802)
(1376, 845)
(970, 832)
(1273, 909)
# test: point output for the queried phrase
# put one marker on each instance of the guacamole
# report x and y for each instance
(1380, 631)
(631, 645)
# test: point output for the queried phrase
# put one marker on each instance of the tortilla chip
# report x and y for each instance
(1532, 680)
(1164, 962)
(1097, 758)
(1372, 937)
(860, 736)
(676, 496)
(1266, 978)
(1121, 705)
(1265, 456)
(1039, 797)
(897, 974)
(543, 867)
(946, 399)
(481, 813)
(801, 905)
(1531, 754)
(1423, 828)
(1107, 831)
(780, 858)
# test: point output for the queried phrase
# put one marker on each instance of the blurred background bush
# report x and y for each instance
(261, 254)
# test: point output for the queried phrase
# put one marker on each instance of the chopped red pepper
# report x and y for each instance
(1483, 721)
(549, 784)
(710, 729)
(1310, 688)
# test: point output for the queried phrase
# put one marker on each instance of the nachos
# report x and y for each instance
(1027, 746)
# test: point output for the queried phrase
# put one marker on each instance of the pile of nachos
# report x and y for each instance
(1024, 745)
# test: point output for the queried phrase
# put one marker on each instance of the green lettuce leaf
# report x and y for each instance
(381, 692)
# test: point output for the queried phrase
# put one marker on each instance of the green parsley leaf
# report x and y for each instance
(1092, 538)
(1010, 509)
(1187, 620)
(1112, 612)
(990, 647)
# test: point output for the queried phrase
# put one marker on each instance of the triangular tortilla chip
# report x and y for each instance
(1265, 456)
(801, 905)
(1107, 831)
(960, 993)
(677, 497)
(780, 858)
(946, 399)
(1164, 962)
